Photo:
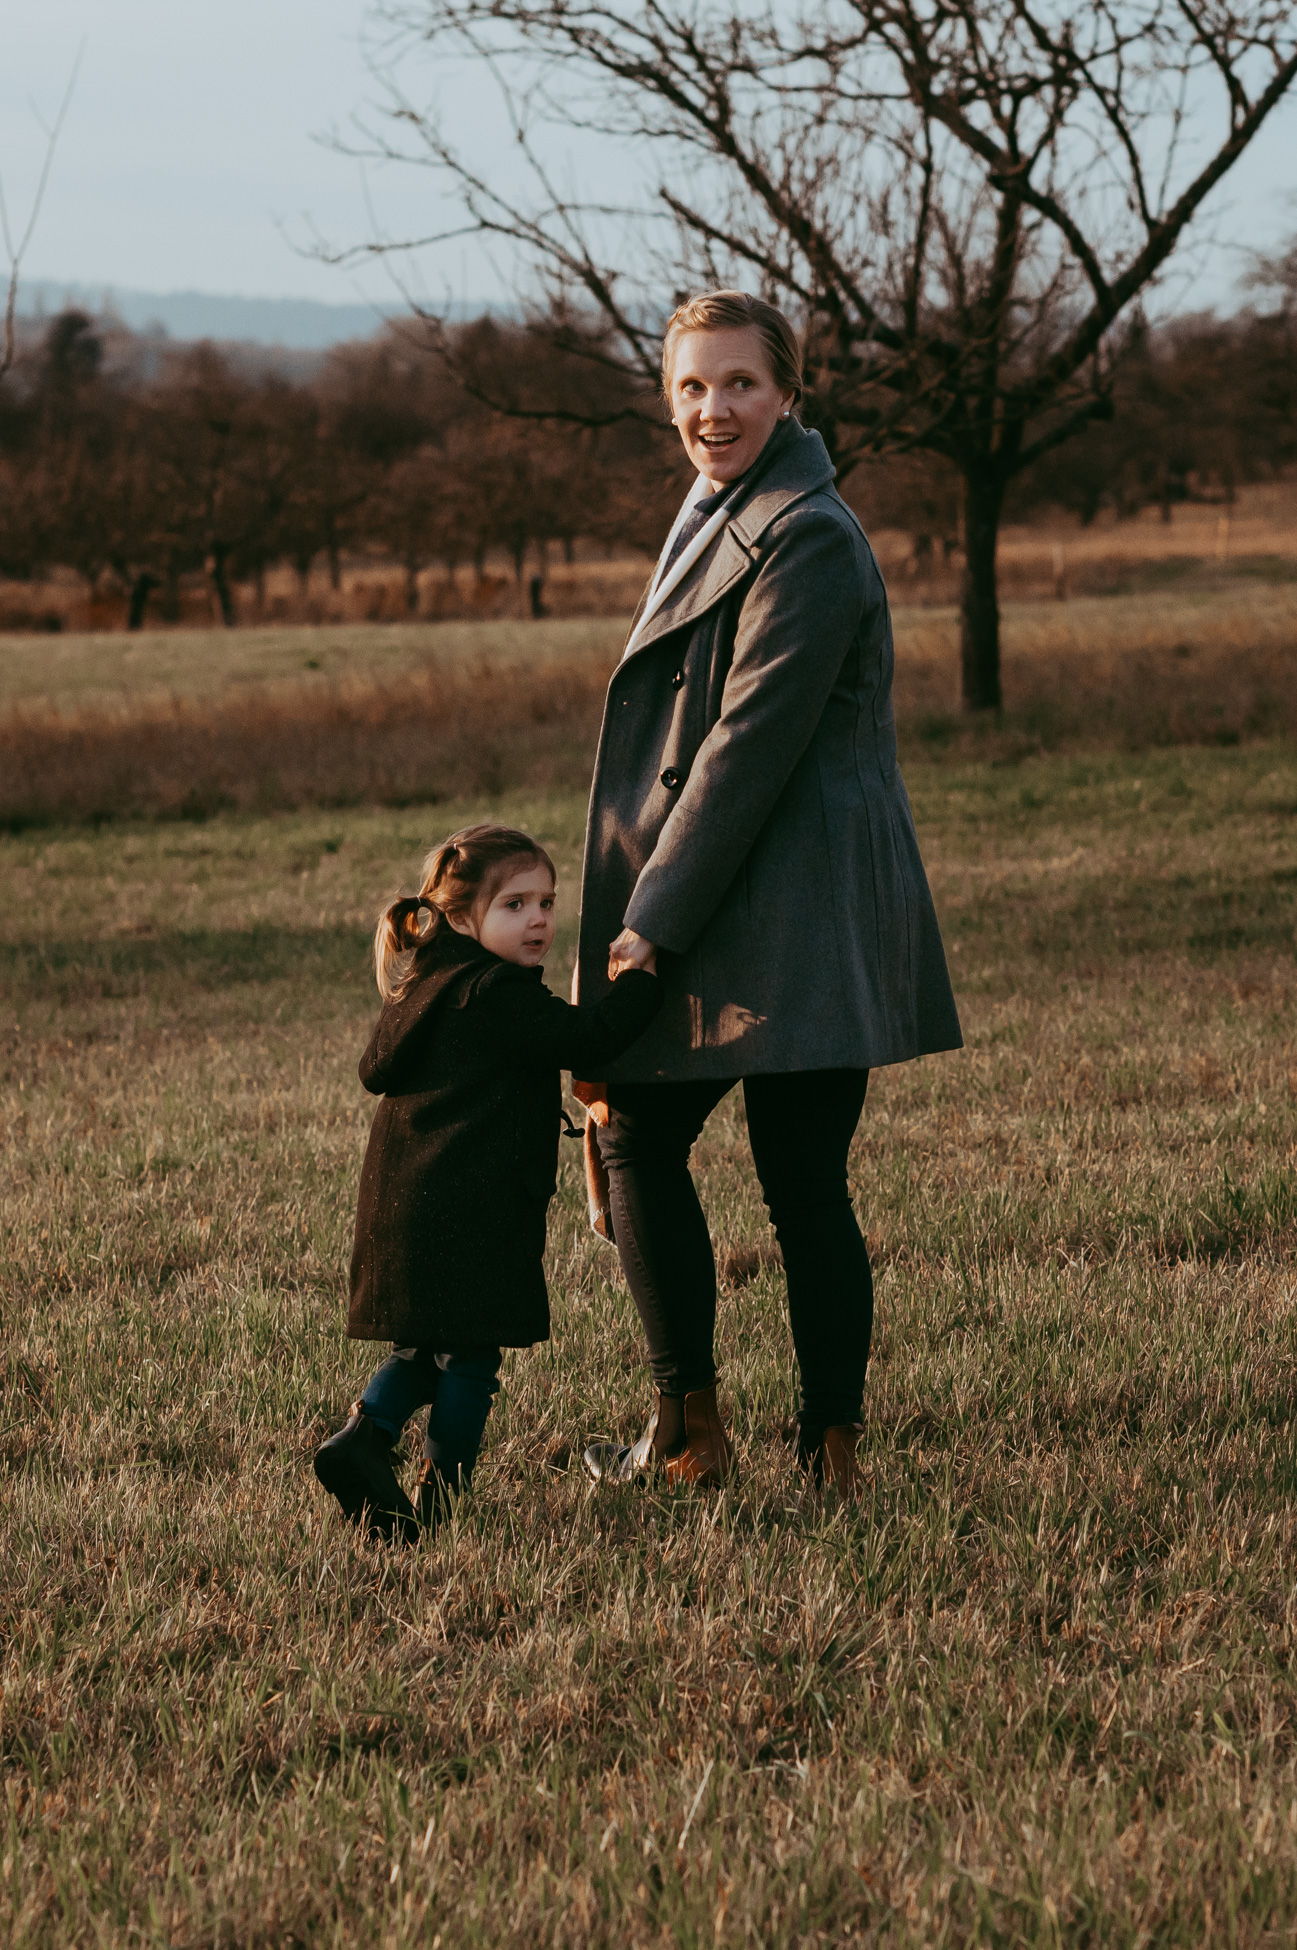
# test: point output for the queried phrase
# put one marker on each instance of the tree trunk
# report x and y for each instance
(411, 585)
(979, 609)
(141, 589)
(221, 584)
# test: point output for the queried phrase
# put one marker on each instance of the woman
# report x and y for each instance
(748, 826)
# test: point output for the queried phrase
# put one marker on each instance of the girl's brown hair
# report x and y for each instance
(718, 311)
(463, 873)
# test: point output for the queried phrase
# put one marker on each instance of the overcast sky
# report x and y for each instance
(189, 144)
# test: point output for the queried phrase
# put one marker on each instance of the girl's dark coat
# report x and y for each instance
(463, 1153)
(747, 814)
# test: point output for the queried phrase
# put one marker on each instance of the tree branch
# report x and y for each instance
(15, 255)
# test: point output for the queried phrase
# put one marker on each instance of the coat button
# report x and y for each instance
(677, 680)
(671, 778)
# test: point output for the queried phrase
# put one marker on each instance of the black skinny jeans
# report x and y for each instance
(800, 1127)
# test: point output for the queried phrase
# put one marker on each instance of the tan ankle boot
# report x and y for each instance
(838, 1467)
(706, 1457)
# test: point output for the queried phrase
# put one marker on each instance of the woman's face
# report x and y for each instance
(724, 399)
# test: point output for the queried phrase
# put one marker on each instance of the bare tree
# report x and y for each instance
(963, 200)
(16, 251)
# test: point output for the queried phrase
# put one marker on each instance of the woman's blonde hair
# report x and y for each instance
(718, 311)
(463, 873)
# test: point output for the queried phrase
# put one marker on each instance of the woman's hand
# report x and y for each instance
(631, 950)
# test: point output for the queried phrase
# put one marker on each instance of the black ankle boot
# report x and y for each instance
(355, 1465)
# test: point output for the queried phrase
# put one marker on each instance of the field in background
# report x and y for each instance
(1037, 1690)
(96, 727)
(110, 669)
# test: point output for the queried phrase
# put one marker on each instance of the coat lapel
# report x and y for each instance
(796, 464)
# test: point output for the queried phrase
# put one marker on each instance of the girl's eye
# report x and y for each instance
(548, 903)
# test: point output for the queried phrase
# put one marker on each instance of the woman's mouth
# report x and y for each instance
(714, 441)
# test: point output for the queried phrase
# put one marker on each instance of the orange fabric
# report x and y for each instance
(595, 1098)
(596, 1181)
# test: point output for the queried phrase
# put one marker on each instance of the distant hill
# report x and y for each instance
(296, 323)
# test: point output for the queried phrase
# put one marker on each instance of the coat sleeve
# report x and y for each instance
(535, 1027)
(795, 629)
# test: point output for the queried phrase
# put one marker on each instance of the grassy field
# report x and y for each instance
(191, 723)
(111, 669)
(106, 668)
(1037, 1689)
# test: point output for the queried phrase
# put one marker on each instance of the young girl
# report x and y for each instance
(462, 1158)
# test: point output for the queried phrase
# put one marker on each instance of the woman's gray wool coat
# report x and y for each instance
(747, 814)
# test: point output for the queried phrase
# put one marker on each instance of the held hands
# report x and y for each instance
(631, 950)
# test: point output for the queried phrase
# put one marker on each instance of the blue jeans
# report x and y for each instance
(459, 1386)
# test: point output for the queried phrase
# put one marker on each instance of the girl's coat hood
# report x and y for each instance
(438, 968)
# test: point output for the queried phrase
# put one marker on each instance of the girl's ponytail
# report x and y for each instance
(464, 870)
(398, 934)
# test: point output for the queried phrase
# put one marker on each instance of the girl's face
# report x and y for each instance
(518, 921)
(724, 399)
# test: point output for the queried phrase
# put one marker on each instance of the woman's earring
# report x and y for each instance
(783, 416)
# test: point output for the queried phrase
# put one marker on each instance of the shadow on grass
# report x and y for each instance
(203, 959)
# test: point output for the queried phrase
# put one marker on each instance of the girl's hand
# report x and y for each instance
(631, 950)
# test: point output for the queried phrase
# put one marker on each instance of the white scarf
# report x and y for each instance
(663, 585)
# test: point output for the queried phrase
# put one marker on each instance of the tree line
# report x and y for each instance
(137, 462)
(1199, 406)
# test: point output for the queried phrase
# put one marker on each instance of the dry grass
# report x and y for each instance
(109, 670)
(1106, 672)
(436, 712)
(421, 738)
(1037, 1690)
